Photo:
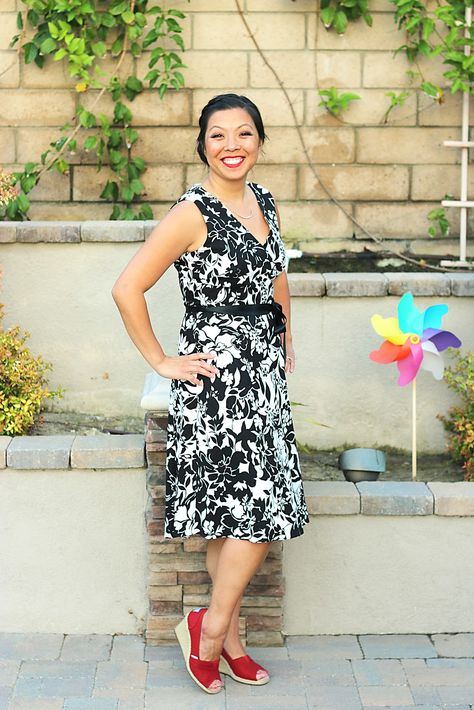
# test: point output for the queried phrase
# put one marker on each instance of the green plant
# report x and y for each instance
(84, 33)
(336, 103)
(23, 384)
(460, 420)
(395, 101)
(338, 13)
(422, 27)
(439, 220)
(7, 189)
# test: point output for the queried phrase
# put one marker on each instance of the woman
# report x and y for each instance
(232, 466)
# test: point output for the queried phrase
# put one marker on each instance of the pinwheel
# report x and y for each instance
(414, 340)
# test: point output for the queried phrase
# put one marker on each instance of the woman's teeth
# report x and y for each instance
(233, 162)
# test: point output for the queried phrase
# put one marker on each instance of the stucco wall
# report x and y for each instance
(60, 293)
(387, 176)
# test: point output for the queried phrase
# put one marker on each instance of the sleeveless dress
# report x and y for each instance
(232, 466)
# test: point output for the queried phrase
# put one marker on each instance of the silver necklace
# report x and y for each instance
(242, 216)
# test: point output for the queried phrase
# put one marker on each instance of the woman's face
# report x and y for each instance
(231, 143)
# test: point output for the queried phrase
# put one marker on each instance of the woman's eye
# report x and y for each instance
(216, 135)
(246, 133)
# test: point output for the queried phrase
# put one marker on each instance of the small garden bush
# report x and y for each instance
(460, 420)
(23, 384)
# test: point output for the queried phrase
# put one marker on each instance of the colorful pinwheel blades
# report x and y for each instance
(415, 339)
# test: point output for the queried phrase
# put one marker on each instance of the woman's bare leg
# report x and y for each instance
(237, 562)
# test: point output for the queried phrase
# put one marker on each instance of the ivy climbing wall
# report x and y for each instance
(387, 175)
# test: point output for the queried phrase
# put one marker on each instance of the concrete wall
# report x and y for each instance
(387, 176)
(360, 574)
(60, 293)
(73, 551)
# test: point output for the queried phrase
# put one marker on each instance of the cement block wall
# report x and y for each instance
(387, 176)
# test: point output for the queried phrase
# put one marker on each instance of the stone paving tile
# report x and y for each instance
(128, 647)
(121, 674)
(333, 698)
(5, 693)
(53, 687)
(90, 704)
(128, 698)
(161, 653)
(81, 647)
(456, 694)
(438, 675)
(327, 673)
(386, 671)
(397, 646)
(36, 704)
(8, 672)
(418, 707)
(270, 702)
(324, 647)
(456, 645)
(450, 662)
(30, 645)
(386, 695)
(186, 699)
(57, 669)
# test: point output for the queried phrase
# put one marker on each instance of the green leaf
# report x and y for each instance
(90, 142)
(127, 194)
(128, 17)
(137, 186)
(99, 49)
(19, 21)
(328, 15)
(48, 46)
(146, 212)
(59, 54)
(340, 22)
(30, 51)
(23, 202)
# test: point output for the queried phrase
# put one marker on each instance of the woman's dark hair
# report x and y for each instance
(219, 103)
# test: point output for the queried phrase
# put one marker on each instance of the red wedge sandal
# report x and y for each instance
(243, 669)
(188, 633)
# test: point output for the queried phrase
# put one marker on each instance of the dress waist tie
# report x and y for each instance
(279, 318)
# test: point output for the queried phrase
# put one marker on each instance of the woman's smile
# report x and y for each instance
(233, 162)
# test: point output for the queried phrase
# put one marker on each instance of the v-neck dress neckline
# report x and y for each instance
(232, 215)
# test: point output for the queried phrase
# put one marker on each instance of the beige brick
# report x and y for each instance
(311, 220)
(259, 623)
(148, 109)
(275, 31)
(31, 108)
(295, 68)
(279, 179)
(8, 28)
(159, 608)
(51, 186)
(271, 103)
(88, 183)
(398, 221)
(220, 69)
(280, 6)
(195, 174)
(336, 69)
(256, 601)
(355, 182)
(8, 5)
(68, 211)
(9, 70)
(382, 35)
(441, 246)
(31, 142)
(196, 589)
(196, 599)
(161, 578)
(195, 544)
(165, 593)
(194, 578)
(431, 182)
(405, 145)
(168, 145)
(53, 75)
(163, 182)
(369, 109)
(7, 146)
(265, 638)
(384, 69)
(190, 6)
(181, 563)
(381, 6)
(325, 145)
(449, 113)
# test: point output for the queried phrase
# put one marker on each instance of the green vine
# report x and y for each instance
(80, 33)
(338, 13)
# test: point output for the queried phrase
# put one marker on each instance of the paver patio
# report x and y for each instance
(47, 671)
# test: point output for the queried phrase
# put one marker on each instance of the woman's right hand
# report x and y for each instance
(186, 367)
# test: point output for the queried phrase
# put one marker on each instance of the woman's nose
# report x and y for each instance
(231, 144)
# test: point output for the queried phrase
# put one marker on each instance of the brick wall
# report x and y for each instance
(178, 580)
(388, 177)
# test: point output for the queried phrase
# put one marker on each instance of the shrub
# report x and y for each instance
(23, 384)
(460, 420)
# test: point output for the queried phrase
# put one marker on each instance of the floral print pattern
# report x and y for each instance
(232, 466)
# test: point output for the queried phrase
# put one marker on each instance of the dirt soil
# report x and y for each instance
(316, 464)
(367, 260)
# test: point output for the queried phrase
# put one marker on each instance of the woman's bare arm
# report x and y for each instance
(170, 238)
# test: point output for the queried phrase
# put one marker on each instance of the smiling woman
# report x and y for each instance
(232, 468)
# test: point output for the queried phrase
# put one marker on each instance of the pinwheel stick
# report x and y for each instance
(413, 439)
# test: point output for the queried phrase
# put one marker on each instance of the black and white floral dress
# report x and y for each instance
(232, 466)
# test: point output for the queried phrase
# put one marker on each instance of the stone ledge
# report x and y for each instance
(362, 284)
(389, 498)
(74, 451)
